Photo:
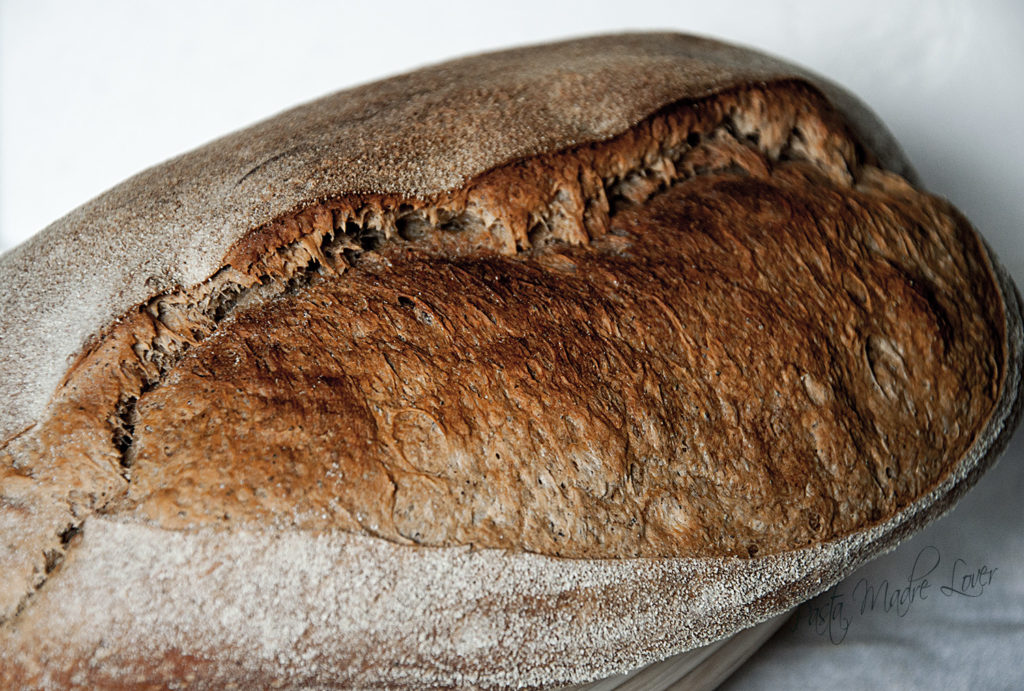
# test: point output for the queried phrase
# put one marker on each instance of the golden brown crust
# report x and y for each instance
(549, 361)
(783, 346)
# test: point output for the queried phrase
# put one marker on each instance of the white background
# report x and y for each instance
(92, 92)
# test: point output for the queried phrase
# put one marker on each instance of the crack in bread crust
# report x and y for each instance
(739, 367)
(538, 209)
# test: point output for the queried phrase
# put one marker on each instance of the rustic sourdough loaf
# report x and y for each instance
(520, 370)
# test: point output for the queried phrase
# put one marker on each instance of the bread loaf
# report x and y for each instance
(520, 370)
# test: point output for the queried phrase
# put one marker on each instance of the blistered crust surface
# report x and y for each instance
(751, 362)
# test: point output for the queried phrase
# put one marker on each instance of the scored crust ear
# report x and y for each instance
(387, 179)
(412, 136)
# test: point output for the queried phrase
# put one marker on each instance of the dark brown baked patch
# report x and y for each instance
(754, 360)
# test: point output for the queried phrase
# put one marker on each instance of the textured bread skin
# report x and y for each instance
(441, 274)
(608, 399)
